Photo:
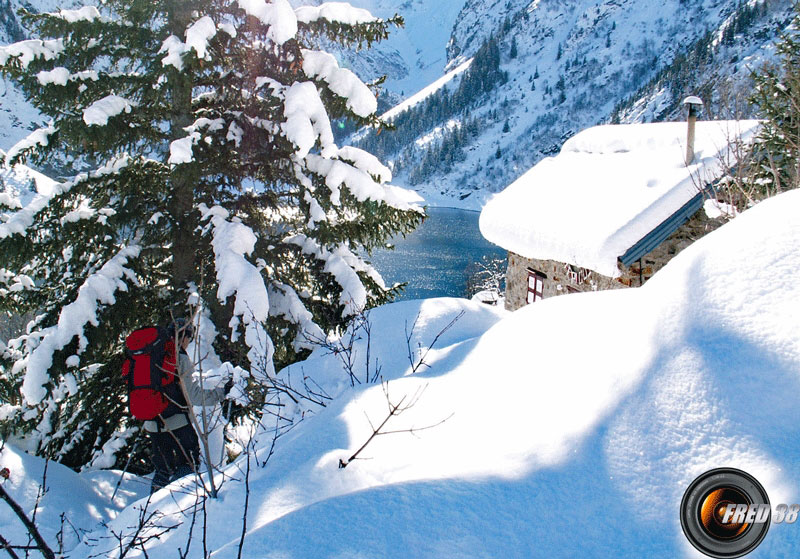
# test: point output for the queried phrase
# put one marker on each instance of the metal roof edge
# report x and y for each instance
(661, 232)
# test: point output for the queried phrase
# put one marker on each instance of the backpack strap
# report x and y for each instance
(131, 364)
(157, 350)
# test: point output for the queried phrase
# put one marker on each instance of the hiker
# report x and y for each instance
(156, 397)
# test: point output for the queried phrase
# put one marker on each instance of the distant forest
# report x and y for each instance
(431, 116)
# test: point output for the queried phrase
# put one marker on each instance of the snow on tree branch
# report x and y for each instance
(307, 120)
(343, 82)
(18, 222)
(61, 76)
(84, 210)
(342, 265)
(198, 34)
(232, 240)
(315, 209)
(58, 75)
(87, 13)
(278, 15)
(100, 111)
(98, 289)
(366, 162)
(28, 51)
(180, 151)
(284, 301)
(105, 458)
(335, 12)
(359, 183)
(14, 282)
(40, 137)
(174, 48)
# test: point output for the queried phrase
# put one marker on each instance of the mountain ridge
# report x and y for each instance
(568, 65)
(576, 64)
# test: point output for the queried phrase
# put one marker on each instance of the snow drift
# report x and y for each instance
(573, 426)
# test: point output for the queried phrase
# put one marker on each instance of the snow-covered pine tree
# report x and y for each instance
(776, 152)
(200, 168)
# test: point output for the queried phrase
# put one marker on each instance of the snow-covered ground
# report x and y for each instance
(52, 490)
(570, 427)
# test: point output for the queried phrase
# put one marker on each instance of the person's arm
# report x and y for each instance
(198, 396)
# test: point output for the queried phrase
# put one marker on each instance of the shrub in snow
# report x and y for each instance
(210, 176)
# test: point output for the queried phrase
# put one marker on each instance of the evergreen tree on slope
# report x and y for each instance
(205, 173)
(776, 163)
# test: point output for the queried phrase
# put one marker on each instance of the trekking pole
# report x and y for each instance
(128, 462)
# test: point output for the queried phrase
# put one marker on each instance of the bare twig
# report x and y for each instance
(404, 404)
(8, 547)
(146, 530)
(39, 494)
(246, 504)
(409, 334)
(128, 462)
(205, 529)
(185, 553)
(30, 526)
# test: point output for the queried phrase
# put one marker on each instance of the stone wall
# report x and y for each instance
(559, 278)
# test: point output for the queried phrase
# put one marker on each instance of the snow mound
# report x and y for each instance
(551, 431)
(84, 499)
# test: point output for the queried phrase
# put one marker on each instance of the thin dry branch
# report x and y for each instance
(30, 526)
(404, 404)
(409, 334)
(8, 547)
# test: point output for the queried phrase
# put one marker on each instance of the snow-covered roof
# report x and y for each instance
(606, 190)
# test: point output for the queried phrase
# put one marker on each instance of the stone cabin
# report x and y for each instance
(611, 209)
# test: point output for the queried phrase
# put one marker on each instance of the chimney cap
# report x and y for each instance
(693, 100)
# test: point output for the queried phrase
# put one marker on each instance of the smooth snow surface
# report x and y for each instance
(606, 190)
(427, 91)
(573, 426)
(84, 499)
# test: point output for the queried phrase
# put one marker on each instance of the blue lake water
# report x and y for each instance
(434, 259)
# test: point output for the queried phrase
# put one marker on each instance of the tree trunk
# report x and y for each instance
(183, 177)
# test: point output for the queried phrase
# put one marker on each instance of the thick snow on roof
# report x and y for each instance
(607, 189)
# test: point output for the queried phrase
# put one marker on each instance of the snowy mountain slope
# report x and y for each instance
(571, 65)
(426, 92)
(17, 116)
(719, 69)
(480, 18)
(421, 43)
(412, 57)
(562, 424)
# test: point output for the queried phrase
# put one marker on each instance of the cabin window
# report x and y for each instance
(535, 286)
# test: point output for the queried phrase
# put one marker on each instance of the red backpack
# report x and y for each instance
(150, 368)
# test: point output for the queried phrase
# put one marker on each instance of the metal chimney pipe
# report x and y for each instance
(694, 104)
